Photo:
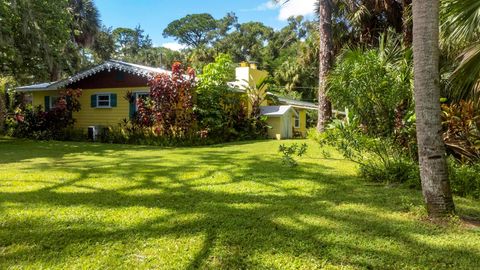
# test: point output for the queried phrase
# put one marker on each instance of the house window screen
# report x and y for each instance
(103, 101)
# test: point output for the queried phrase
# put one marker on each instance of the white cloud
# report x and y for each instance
(296, 8)
(173, 46)
(267, 6)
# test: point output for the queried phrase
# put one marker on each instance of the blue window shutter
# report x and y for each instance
(47, 103)
(93, 101)
(113, 100)
(131, 109)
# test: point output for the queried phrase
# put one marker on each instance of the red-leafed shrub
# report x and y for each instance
(36, 123)
(170, 110)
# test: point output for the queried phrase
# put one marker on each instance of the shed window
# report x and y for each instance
(103, 101)
(297, 121)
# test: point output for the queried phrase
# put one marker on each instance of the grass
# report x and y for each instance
(91, 206)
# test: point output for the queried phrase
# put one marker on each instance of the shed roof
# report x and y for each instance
(139, 70)
(276, 110)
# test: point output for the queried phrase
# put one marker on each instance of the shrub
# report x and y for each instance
(129, 132)
(379, 159)
(461, 124)
(375, 85)
(35, 123)
(171, 102)
(293, 150)
(221, 112)
(465, 179)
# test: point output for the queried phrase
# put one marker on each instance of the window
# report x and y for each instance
(53, 101)
(142, 96)
(297, 121)
(103, 101)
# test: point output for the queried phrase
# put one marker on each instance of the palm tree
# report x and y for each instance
(324, 12)
(86, 21)
(431, 149)
(326, 61)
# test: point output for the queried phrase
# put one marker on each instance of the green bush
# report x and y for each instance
(381, 160)
(465, 179)
(402, 171)
(378, 159)
(288, 152)
(375, 85)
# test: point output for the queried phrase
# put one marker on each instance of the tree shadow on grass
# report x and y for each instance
(258, 215)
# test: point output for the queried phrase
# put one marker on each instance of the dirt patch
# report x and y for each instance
(470, 222)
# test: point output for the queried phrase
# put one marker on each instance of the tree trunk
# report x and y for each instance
(326, 61)
(431, 149)
(407, 22)
(3, 109)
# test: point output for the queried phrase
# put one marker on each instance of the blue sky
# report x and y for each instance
(154, 15)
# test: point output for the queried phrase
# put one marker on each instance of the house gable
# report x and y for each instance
(110, 79)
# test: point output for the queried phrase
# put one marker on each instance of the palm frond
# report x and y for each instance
(460, 20)
(466, 77)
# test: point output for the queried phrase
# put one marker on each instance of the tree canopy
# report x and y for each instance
(192, 30)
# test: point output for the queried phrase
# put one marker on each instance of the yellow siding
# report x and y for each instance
(276, 125)
(89, 116)
(38, 98)
(302, 113)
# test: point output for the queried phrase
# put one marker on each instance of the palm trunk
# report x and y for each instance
(431, 149)
(326, 61)
(407, 22)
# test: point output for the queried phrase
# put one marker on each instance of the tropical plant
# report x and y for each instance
(85, 23)
(379, 159)
(431, 148)
(375, 85)
(461, 124)
(460, 39)
(172, 102)
(256, 95)
(51, 124)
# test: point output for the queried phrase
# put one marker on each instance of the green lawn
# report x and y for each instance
(234, 206)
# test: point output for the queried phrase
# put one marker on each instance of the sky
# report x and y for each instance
(154, 15)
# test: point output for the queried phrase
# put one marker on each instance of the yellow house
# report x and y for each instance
(105, 87)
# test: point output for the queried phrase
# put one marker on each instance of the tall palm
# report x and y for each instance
(431, 149)
(325, 8)
(86, 21)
